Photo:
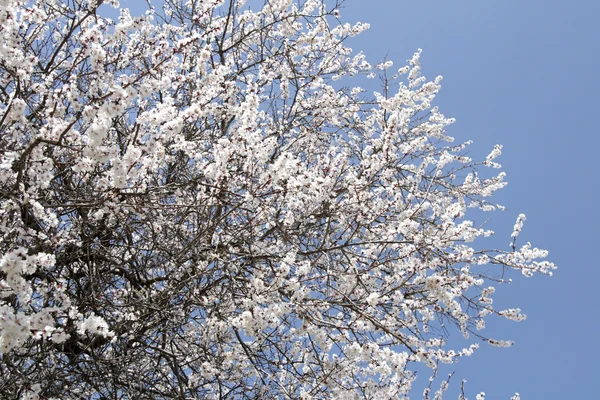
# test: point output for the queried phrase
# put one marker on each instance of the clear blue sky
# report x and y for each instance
(524, 74)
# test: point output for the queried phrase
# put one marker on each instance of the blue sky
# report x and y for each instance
(523, 74)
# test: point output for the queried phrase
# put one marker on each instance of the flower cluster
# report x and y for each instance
(203, 202)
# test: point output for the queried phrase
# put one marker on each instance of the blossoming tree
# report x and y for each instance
(201, 202)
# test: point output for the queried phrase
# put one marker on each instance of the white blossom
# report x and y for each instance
(518, 225)
(207, 201)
